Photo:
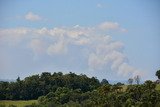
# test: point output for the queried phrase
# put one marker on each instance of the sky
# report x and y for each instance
(110, 39)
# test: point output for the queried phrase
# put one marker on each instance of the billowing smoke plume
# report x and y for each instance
(103, 52)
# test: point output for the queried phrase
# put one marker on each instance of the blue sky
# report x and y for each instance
(108, 39)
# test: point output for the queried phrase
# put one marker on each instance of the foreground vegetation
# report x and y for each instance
(71, 90)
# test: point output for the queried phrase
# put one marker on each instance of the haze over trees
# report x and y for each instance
(130, 81)
(137, 79)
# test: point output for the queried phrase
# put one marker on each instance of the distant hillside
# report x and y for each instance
(8, 80)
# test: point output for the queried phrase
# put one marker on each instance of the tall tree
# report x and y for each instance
(137, 79)
(104, 81)
(130, 81)
(158, 74)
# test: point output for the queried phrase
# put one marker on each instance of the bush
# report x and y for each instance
(42, 100)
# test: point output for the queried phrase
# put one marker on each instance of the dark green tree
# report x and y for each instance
(158, 74)
(104, 81)
(137, 79)
(130, 81)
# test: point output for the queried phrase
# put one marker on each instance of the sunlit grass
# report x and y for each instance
(158, 87)
(19, 103)
(124, 87)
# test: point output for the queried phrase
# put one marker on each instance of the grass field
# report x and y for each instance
(158, 87)
(19, 103)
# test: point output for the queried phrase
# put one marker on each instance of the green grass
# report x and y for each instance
(19, 103)
(124, 87)
(158, 87)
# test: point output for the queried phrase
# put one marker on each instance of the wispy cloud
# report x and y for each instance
(57, 48)
(32, 17)
(99, 5)
(13, 36)
(103, 52)
(111, 26)
(38, 46)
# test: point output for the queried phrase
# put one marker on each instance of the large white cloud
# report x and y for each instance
(103, 52)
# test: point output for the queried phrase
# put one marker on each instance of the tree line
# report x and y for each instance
(72, 90)
(35, 86)
(144, 95)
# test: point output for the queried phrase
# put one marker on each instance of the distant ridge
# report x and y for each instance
(8, 80)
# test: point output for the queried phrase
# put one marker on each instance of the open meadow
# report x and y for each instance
(158, 87)
(20, 103)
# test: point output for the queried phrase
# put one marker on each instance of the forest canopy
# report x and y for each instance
(72, 90)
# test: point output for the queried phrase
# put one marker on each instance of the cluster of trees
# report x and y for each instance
(37, 85)
(106, 95)
(71, 90)
(136, 79)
